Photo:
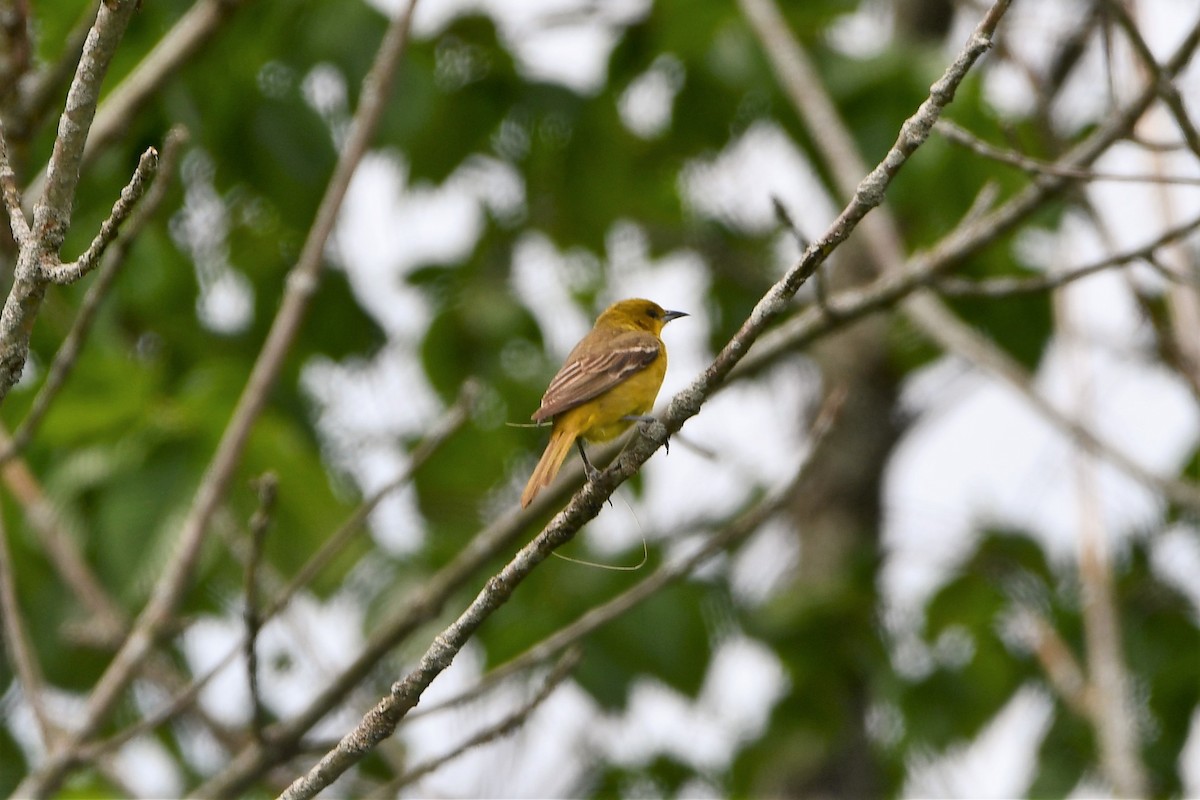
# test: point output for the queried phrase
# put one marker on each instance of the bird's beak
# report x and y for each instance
(670, 315)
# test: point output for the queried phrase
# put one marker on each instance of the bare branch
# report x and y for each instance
(1161, 80)
(267, 486)
(114, 259)
(20, 650)
(382, 720)
(301, 285)
(949, 331)
(1035, 166)
(130, 195)
(511, 722)
(52, 212)
(47, 85)
(1062, 669)
(1005, 287)
(449, 423)
(12, 195)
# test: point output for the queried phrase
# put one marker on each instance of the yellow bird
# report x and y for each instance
(609, 381)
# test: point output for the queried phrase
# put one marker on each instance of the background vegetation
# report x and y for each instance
(268, 428)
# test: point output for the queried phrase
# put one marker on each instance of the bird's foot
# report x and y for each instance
(589, 471)
(645, 424)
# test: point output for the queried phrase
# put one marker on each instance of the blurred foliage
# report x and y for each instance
(128, 441)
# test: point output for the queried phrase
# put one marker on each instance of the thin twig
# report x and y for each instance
(1163, 83)
(1034, 166)
(11, 194)
(114, 259)
(445, 427)
(198, 25)
(121, 210)
(1006, 287)
(1113, 718)
(20, 649)
(511, 722)
(47, 86)
(267, 486)
(943, 326)
(1058, 662)
(52, 212)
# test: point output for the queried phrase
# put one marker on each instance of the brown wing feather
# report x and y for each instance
(586, 375)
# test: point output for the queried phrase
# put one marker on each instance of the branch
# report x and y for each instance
(267, 486)
(47, 85)
(969, 237)
(1163, 82)
(511, 722)
(731, 533)
(1062, 669)
(1005, 287)
(381, 721)
(12, 195)
(69, 273)
(1112, 717)
(114, 259)
(20, 650)
(1033, 166)
(52, 213)
(301, 285)
(172, 51)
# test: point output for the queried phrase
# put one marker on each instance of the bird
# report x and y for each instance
(609, 381)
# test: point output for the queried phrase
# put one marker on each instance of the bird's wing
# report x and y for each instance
(588, 374)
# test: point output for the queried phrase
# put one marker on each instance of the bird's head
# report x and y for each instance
(637, 314)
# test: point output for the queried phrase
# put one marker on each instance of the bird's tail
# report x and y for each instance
(548, 466)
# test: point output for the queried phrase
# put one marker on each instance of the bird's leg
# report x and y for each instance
(647, 419)
(590, 471)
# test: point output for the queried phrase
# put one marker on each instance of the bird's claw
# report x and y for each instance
(646, 426)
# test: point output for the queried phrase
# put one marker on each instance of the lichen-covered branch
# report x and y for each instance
(52, 212)
(381, 721)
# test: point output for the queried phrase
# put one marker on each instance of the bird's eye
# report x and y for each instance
(651, 313)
